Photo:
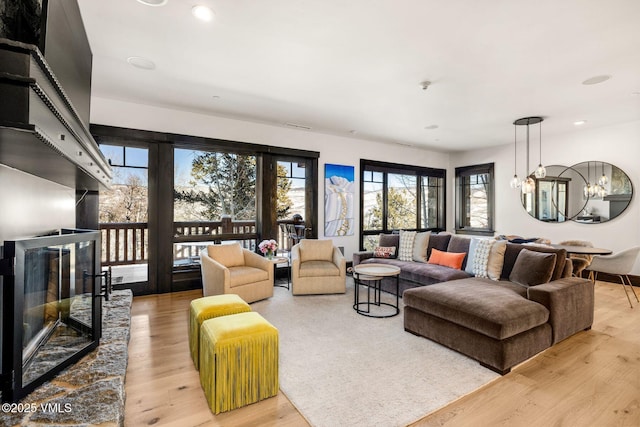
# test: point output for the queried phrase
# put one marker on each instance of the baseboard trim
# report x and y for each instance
(635, 280)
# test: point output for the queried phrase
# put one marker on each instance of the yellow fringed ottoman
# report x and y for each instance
(202, 309)
(238, 360)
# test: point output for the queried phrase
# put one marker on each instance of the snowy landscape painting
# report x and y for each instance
(338, 200)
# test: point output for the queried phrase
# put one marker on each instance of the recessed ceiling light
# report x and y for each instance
(140, 62)
(353, 131)
(202, 12)
(579, 122)
(153, 2)
(431, 127)
(216, 97)
(596, 79)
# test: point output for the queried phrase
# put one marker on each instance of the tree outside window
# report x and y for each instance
(290, 189)
(475, 200)
(398, 197)
(127, 199)
(219, 184)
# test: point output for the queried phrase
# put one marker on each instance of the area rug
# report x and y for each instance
(340, 368)
(90, 392)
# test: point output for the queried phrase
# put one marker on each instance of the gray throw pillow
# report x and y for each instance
(533, 268)
(389, 240)
(420, 244)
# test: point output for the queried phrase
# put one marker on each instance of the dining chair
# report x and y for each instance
(293, 234)
(619, 264)
(286, 242)
(579, 261)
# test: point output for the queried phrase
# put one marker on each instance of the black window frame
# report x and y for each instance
(395, 168)
(161, 197)
(462, 198)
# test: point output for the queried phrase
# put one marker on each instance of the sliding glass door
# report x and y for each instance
(123, 215)
(214, 202)
(198, 191)
(293, 201)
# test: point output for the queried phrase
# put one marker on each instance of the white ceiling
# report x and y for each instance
(356, 65)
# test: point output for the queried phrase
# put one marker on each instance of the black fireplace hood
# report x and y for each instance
(41, 132)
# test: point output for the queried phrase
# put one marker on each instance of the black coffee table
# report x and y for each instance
(371, 275)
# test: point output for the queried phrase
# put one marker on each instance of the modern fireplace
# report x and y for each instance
(51, 307)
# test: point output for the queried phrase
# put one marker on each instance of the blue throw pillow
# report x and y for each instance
(471, 255)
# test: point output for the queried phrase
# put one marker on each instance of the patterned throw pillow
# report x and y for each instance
(488, 258)
(481, 257)
(384, 252)
(471, 255)
(405, 252)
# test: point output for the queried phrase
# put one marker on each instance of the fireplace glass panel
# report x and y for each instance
(51, 307)
(57, 305)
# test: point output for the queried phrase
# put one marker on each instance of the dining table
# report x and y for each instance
(583, 250)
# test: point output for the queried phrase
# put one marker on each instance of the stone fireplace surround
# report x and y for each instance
(91, 391)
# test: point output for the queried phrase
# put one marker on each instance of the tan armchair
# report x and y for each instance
(317, 267)
(230, 269)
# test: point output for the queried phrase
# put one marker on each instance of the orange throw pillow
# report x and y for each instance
(447, 259)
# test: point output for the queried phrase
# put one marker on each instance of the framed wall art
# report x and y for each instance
(338, 200)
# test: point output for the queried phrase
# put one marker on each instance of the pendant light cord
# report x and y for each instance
(527, 171)
(515, 147)
(540, 142)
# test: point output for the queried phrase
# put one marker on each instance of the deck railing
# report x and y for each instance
(128, 243)
(190, 236)
(124, 243)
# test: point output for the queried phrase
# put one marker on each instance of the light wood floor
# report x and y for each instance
(590, 379)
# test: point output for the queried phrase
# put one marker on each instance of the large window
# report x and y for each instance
(291, 189)
(210, 185)
(201, 190)
(395, 197)
(126, 200)
(123, 214)
(214, 197)
(474, 196)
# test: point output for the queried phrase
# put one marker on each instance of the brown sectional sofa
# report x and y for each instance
(498, 323)
(414, 274)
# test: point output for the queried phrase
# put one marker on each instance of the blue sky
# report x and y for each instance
(339, 170)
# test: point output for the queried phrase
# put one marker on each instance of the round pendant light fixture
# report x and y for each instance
(528, 184)
(515, 181)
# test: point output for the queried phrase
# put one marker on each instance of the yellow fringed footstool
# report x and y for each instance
(238, 360)
(202, 309)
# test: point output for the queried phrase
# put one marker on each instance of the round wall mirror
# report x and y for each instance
(589, 192)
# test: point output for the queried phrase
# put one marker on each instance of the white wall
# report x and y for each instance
(333, 149)
(32, 205)
(618, 145)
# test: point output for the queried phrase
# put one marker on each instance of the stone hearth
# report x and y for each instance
(91, 391)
